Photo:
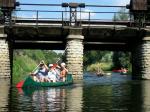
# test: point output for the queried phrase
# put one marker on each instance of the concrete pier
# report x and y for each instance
(4, 55)
(74, 52)
(141, 59)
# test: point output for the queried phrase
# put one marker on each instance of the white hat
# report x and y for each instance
(63, 64)
(50, 65)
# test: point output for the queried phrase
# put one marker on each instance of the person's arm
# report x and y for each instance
(57, 72)
(66, 70)
(33, 73)
(36, 71)
(62, 73)
(45, 65)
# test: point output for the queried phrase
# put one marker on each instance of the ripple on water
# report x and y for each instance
(115, 93)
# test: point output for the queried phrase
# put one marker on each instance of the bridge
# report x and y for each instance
(68, 30)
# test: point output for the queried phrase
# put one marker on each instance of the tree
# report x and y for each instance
(121, 59)
(121, 15)
(91, 57)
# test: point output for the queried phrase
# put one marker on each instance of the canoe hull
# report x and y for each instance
(29, 82)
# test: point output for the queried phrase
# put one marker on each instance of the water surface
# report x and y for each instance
(115, 93)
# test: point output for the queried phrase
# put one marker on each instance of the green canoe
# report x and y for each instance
(29, 82)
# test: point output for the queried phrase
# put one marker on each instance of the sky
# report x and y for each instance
(109, 2)
(57, 15)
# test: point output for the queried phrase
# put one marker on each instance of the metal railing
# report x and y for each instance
(63, 18)
(75, 17)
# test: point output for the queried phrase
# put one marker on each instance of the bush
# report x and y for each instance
(96, 66)
(22, 66)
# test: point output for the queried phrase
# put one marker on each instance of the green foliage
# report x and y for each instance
(96, 66)
(22, 66)
(91, 57)
(121, 59)
(97, 59)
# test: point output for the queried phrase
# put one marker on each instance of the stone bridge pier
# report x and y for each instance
(141, 58)
(4, 55)
(74, 52)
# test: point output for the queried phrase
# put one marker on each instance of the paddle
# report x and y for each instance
(35, 68)
(20, 84)
(60, 58)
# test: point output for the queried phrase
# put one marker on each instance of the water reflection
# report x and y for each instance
(146, 95)
(51, 99)
(115, 93)
(75, 98)
(140, 96)
(44, 99)
(4, 92)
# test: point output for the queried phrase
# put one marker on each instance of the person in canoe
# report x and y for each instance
(100, 72)
(40, 74)
(52, 74)
(57, 73)
(123, 71)
(63, 72)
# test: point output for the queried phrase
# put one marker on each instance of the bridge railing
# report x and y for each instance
(72, 15)
(84, 18)
(80, 18)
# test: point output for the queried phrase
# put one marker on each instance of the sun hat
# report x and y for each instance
(63, 64)
(50, 65)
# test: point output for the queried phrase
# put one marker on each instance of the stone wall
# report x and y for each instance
(4, 56)
(141, 60)
(74, 54)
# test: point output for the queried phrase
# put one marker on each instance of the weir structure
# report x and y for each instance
(73, 33)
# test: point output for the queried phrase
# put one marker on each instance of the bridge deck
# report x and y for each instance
(98, 35)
